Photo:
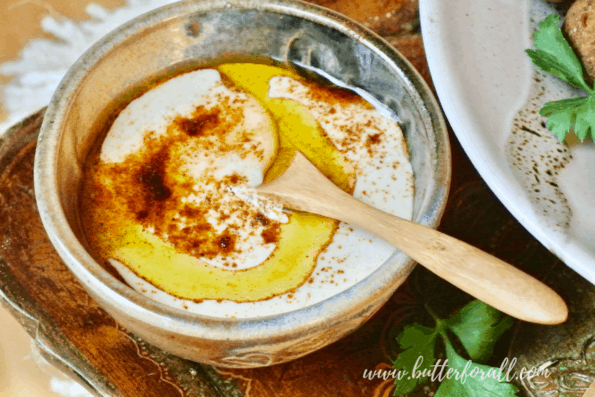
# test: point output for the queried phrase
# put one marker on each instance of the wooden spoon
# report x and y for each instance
(302, 187)
(590, 391)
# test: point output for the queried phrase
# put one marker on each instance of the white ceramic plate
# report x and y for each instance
(491, 95)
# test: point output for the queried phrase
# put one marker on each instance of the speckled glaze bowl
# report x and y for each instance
(191, 34)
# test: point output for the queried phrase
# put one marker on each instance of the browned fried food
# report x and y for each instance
(579, 27)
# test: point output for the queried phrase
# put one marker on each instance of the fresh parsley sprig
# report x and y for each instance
(474, 386)
(555, 56)
(415, 341)
(478, 327)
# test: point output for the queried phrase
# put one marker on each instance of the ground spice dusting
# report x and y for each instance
(226, 242)
(263, 220)
(271, 234)
(154, 189)
(374, 138)
(333, 96)
(356, 129)
(152, 178)
(196, 125)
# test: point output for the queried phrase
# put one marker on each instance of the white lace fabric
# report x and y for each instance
(43, 62)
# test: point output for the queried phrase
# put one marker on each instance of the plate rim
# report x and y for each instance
(572, 252)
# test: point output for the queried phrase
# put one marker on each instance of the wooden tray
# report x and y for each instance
(74, 333)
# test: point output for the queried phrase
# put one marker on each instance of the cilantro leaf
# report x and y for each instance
(416, 341)
(471, 384)
(564, 113)
(479, 326)
(585, 120)
(554, 55)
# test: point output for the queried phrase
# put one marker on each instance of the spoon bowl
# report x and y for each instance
(303, 187)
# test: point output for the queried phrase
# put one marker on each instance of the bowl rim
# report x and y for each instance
(94, 276)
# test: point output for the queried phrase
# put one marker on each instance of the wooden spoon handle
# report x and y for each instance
(474, 271)
(482, 275)
(590, 391)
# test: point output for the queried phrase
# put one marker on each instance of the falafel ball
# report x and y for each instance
(579, 27)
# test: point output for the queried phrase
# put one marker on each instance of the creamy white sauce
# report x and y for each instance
(384, 176)
(151, 115)
(251, 246)
(156, 110)
(384, 180)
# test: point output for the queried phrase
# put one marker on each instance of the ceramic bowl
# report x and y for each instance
(191, 34)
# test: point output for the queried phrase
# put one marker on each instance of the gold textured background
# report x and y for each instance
(19, 23)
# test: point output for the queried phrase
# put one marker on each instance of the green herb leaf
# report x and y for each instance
(416, 341)
(585, 120)
(554, 55)
(563, 114)
(478, 381)
(479, 326)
